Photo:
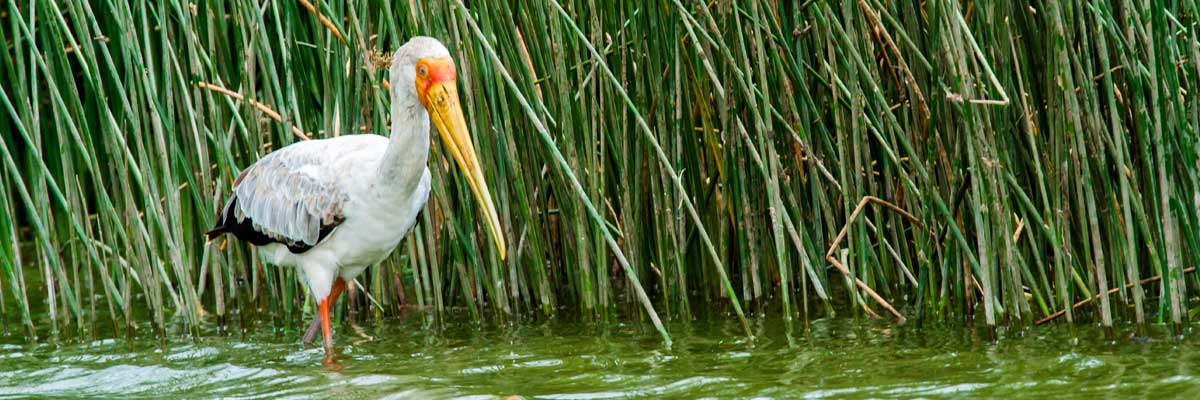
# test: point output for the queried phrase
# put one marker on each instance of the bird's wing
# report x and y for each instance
(294, 196)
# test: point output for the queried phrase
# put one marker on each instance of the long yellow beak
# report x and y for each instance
(446, 114)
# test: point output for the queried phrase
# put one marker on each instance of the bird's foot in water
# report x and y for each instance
(330, 364)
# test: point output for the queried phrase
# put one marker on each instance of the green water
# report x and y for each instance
(830, 359)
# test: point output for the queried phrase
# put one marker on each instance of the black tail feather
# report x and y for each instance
(223, 220)
(216, 231)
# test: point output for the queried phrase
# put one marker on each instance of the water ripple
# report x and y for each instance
(833, 359)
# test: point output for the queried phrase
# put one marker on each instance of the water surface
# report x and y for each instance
(838, 358)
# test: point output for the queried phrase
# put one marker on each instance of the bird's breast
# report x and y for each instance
(375, 224)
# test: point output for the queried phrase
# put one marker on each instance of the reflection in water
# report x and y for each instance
(830, 359)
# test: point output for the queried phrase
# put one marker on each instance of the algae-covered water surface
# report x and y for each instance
(616, 164)
(833, 358)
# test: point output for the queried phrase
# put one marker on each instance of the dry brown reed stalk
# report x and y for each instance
(260, 106)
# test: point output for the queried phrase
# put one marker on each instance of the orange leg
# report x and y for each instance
(339, 286)
(326, 328)
(323, 308)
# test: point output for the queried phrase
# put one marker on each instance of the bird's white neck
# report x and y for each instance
(408, 148)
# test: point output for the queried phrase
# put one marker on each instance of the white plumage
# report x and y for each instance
(291, 193)
(334, 207)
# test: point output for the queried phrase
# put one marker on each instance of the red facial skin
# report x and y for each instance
(431, 71)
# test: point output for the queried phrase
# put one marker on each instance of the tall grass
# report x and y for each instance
(672, 159)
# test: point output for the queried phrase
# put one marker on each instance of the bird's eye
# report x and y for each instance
(421, 70)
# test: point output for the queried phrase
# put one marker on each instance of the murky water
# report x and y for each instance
(830, 359)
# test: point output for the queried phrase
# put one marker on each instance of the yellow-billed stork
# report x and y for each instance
(333, 207)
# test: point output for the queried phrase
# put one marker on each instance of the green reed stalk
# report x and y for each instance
(653, 138)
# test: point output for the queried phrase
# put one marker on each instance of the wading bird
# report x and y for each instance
(333, 207)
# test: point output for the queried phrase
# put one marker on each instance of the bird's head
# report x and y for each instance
(426, 63)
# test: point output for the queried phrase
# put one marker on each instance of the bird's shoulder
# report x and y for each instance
(320, 160)
(327, 151)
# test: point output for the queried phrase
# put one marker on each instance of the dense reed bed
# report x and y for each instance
(993, 161)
